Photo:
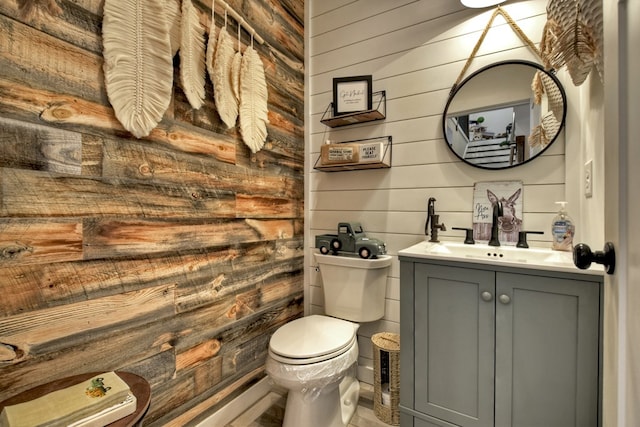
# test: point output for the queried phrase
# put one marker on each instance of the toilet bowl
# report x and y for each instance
(318, 368)
(315, 357)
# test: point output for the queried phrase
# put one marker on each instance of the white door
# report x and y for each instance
(621, 401)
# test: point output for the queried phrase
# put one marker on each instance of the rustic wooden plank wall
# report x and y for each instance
(173, 256)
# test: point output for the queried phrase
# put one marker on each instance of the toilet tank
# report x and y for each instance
(354, 288)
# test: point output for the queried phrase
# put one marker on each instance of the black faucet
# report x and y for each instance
(497, 212)
(433, 219)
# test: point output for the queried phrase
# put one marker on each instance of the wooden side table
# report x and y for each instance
(138, 385)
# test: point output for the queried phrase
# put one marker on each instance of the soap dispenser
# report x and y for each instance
(562, 230)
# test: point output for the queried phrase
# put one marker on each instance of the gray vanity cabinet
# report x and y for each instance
(486, 346)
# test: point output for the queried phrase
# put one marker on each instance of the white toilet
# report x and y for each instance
(315, 357)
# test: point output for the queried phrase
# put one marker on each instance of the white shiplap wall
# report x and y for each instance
(415, 50)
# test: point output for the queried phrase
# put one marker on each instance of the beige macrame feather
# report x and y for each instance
(192, 68)
(573, 37)
(137, 62)
(537, 88)
(226, 103)
(172, 8)
(253, 101)
(211, 43)
(543, 133)
(235, 75)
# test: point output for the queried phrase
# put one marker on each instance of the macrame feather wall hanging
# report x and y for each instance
(138, 68)
(140, 38)
(226, 102)
(573, 37)
(253, 100)
(192, 53)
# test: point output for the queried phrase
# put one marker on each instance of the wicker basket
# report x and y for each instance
(386, 372)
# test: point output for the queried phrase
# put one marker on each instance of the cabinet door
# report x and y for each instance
(546, 351)
(454, 344)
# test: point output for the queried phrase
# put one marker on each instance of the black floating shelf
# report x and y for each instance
(379, 158)
(379, 100)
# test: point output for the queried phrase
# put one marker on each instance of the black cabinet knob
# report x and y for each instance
(583, 257)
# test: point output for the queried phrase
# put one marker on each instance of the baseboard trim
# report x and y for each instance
(237, 406)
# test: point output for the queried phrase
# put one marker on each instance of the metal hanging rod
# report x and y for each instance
(241, 21)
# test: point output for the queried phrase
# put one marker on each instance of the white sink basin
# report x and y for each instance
(535, 258)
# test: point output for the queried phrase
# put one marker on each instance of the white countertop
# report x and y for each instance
(531, 258)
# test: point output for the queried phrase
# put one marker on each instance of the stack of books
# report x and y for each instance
(99, 401)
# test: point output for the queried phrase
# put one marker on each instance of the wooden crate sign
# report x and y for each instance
(333, 154)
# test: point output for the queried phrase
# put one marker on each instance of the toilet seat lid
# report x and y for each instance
(312, 337)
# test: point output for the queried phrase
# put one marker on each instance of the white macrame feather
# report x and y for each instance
(172, 8)
(192, 68)
(235, 75)
(253, 101)
(137, 62)
(226, 103)
(211, 43)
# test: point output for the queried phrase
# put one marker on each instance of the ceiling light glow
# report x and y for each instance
(480, 3)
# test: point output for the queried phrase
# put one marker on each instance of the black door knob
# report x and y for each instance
(583, 257)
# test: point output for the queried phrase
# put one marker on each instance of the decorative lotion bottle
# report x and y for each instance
(562, 230)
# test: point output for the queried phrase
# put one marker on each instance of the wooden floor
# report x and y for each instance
(269, 411)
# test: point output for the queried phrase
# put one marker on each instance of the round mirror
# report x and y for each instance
(504, 115)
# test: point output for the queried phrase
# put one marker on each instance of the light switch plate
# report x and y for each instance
(588, 179)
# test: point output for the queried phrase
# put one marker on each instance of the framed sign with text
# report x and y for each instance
(351, 94)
